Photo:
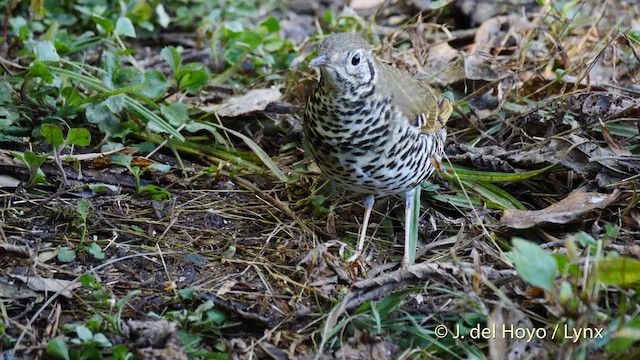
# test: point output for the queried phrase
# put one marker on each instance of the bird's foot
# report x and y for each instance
(405, 263)
(355, 257)
(436, 161)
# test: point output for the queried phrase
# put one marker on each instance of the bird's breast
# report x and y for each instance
(367, 148)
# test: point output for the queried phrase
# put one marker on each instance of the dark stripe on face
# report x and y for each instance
(372, 70)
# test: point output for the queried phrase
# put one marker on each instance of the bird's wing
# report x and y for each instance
(423, 106)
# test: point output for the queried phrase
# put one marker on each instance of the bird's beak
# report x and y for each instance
(321, 60)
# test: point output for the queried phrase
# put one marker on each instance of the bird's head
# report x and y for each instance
(345, 60)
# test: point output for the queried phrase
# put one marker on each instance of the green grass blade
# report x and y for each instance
(266, 159)
(131, 104)
(464, 174)
(495, 196)
(413, 231)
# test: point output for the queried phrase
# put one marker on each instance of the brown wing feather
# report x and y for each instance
(416, 99)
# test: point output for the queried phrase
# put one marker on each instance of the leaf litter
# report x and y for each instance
(530, 95)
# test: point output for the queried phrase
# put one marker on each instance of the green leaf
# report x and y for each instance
(78, 136)
(317, 200)
(46, 52)
(66, 255)
(449, 173)
(271, 24)
(101, 115)
(155, 191)
(173, 58)
(611, 232)
(164, 168)
(273, 45)
(115, 103)
(7, 117)
(585, 239)
(619, 271)
(624, 338)
(127, 77)
(234, 26)
(84, 334)
(176, 113)
(82, 207)
(193, 77)
(536, 266)
(124, 27)
(89, 281)
(95, 250)
(196, 126)
(434, 5)
(34, 160)
(459, 200)
(102, 340)
(565, 267)
(141, 12)
(5, 92)
(496, 198)
(40, 70)
(217, 317)
(266, 159)
(20, 27)
(123, 160)
(111, 65)
(120, 351)
(101, 187)
(188, 293)
(58, 349)
(156, 84)
(53, 134)
(106, 24)
(133, 106)
(249, 38)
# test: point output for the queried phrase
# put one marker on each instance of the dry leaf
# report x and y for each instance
(254, 100)
(37, 283)
(365, 4)
(8, 181)
(16, 292)
(45, 256)
(562, 212)
(494, 32)
(18, 250)
(226, 287)
(614, 144)
(498, 345)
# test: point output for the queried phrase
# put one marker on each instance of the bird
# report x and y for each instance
(372, 128)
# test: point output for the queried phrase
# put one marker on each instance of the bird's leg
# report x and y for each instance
(368, 205)
(408, 206)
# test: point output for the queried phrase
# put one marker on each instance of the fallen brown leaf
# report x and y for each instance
(254, 100)
(562, 212)
(37, 283)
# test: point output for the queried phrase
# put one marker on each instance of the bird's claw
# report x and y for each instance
(355, 257)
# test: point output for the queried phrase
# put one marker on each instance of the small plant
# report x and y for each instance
(75, 136)
(107, 299)
(191, 77)
(9, 116)
(33, 162)
(156, 192)
(82, 208)
(205, 319)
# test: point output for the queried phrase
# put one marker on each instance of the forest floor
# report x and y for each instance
(158, 200)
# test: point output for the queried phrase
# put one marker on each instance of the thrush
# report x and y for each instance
(372, 128)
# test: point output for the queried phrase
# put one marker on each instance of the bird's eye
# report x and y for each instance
(355, 60)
